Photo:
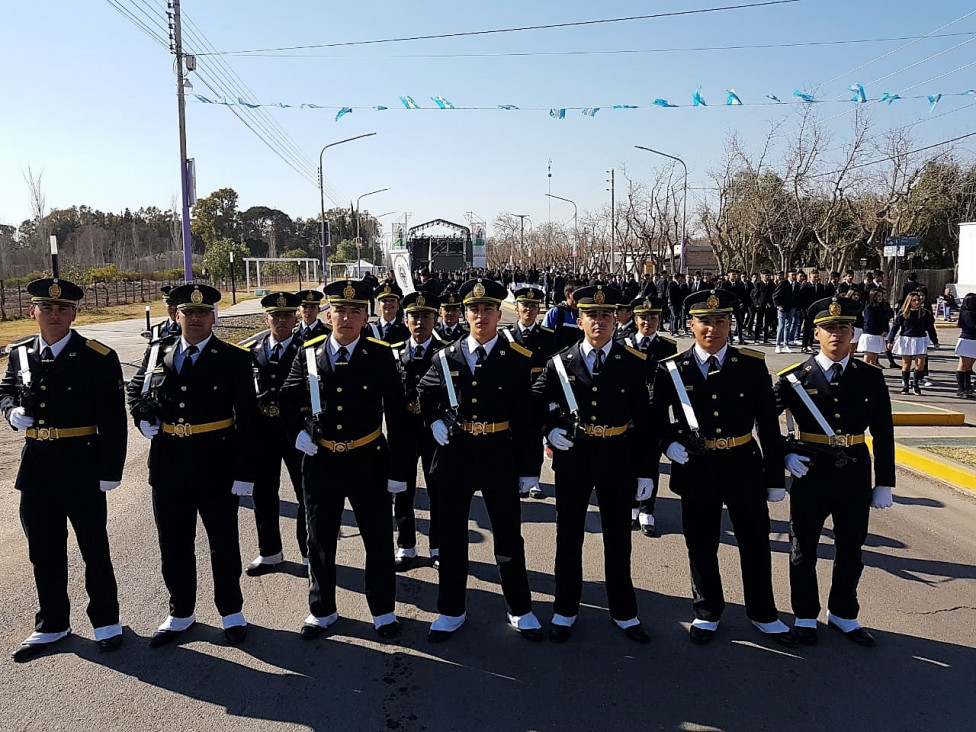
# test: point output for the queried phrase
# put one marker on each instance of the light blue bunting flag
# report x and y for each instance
(343, 112)
(698, 100)
(409, 103)
(624, 106)
(591, 111)
(380, 107)
(283, 105)
(202, 99)
(858, 90)
(247, 104)
(969, 93)
(507, 106)
(886, 97)
(663, 103)
(731, 98)
(933, 101)
(774, 98)
(804, 96)
(558, 113)
(310, 106)
(442, 102)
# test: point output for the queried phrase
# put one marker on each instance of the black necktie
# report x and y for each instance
(187, 365)
(275, 354)
(386, 330)
(343, 357)
(835, 371)
(644, 344)
(47, 355)
(418, 352)
(597, 361)
(712, 365)
(482, 355)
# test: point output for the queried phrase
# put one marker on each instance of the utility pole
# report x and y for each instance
(613, 217)
(521, 218)
(184, 64)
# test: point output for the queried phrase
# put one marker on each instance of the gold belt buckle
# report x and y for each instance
(44, 434)
(413, 408)
(272, 411)
(181, 430)
(598, 430)
(478, 428)
(840, 440)
(722, 443)
(339, 447)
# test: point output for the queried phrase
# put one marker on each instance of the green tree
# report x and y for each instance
(216, 217)
(216, 260)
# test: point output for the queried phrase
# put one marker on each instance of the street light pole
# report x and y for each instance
(184, 164)
(575, 228)
(684, 203)
(233, 284)
(323, 240)
(359, 245)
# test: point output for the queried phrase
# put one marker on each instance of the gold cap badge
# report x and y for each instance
(711, 302)
(599, 298)
(387, 288)
(647, 305)
(349, 292)
(196, 297)
(421, 301)
(478, 290)
(530, 294)
(835, 308)
(282, 301)
(54, 290)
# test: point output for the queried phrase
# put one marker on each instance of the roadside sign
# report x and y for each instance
(894, 251)
(903, 242)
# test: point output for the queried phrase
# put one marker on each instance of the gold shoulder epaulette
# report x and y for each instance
(547, 330)
(314, 342)
(521, 349)
(788, 369)
(672, 341)
(248, 343)
(22, 342)
(238, 345)
(395, 345)
(671, 358)
(98, 347)
(755, 354)
(436, 335)
(636, 352)
(378, 342)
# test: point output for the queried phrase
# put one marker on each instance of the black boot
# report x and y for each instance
(916, 376)
(960, 383)
(905, 378)
(968, 384)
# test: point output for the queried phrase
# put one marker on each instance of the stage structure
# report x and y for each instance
(440, 244)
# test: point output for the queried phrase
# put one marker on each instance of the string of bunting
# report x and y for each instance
(732, 99)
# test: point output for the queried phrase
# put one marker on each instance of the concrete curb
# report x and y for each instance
(934, 466)
(929, 417)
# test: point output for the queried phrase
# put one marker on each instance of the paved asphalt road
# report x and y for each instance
(918, 593)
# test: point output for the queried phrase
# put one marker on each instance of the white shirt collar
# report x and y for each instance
(200, 346)
(284, 344)
(334, 345)
(56, 348)
(589, 349)
(825, 363)
(523, 328)
(426, 344)
(472, 344)
(702, 355)
(639, 338)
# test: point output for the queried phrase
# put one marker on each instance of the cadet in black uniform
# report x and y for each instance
(414, 357)
(602, 439)
(169, 326)
(65, 393)
(647, 340)
(389, 325)
(451, 329)
(489, 442)
(625, 325)
(834, 478)
(272, 353)
(310, 326)
(730, 394)
(199, 412)
(356, 386)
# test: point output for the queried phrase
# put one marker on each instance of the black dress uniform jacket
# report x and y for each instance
(730, 404)
(396, 332)
(456, 333)
(540, 340)
(303, 334)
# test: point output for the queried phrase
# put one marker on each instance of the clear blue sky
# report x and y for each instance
(90, 99)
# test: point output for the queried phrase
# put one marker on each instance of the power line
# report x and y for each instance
(520, 29)
(886, 158)
(611, 52)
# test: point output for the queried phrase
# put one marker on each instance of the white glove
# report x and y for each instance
(557, 438)
(881, 497)
(645, 486)
(241, 488)
(775, 495)
(440, 431)
(305, 443)
(796, 464)
(676, 453)
(528, 483)
(148, 429)
(109, 485)
(396, 486)
(19, 419)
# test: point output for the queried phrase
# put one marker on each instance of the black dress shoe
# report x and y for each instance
(536, 635)
(26, 651)
(235, 634)
(435, 562)
(404, 564)
(785, 639)
(439, 636)
(805, 636)
(389, 631)
(256, 568)
(310, 631)
(637, 634)
(648, 530)
(635, 525)
(861, 636)
(699, 636)
(163, 637)
(560, 633)
(107, 645)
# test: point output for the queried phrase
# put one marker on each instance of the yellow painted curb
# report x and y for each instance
(928, 419)
(932, 465)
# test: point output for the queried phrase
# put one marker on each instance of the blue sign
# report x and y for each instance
(902, 241)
